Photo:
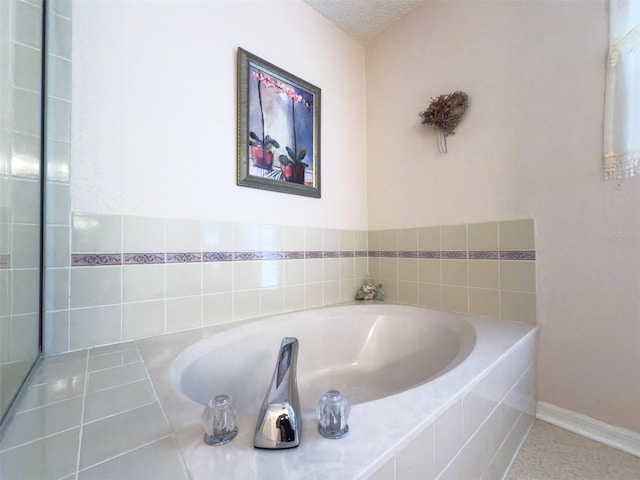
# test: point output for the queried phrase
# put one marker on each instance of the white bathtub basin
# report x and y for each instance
(402, 367)
(366, 352)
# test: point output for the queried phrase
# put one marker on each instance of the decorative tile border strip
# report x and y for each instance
(102, 259)
(184, 257)
(483, 255)
(143, 258)
(92, 259)
(518, 255)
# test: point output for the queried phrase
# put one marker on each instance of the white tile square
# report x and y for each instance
(449, 435)
(117, 400)
(89, 327)
(125, 431)
(143, 319)
(42, 422)
(159, 459)
(417, 460)
(183, 313)
(49, 458)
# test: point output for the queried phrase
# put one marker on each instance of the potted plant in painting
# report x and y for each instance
(262, 150)
(292, 165)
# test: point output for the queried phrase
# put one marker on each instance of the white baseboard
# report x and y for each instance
(620, 438)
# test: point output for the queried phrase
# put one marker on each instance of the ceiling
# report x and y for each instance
(364, 20)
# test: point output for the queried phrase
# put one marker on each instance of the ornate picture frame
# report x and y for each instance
(278, 129)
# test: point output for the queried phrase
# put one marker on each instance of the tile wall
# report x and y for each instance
(20, 171)
(480, 268)
(58, 151)
(134, 277)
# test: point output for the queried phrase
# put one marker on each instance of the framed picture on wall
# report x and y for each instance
(278, 129)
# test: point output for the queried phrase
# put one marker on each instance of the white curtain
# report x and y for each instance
(622, 102)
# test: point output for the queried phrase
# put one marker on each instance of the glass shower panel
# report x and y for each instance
(21, 46)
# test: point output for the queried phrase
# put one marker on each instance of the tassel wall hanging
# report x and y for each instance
(445, 113)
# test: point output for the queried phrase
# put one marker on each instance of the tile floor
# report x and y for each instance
(101, 399)
(551, 453)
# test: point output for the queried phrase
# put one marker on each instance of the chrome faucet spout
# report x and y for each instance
(279, 420)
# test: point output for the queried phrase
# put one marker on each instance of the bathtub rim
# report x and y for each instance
(453, 322)
(184, 416)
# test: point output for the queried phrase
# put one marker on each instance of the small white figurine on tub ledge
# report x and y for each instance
(367, 291)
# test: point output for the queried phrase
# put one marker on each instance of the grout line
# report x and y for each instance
(37, 439)
(84, 397)
(121, 412)
(123, 453)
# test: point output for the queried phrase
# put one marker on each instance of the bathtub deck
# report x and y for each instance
(116, 400)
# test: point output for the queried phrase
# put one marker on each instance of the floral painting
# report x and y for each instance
(278, 129)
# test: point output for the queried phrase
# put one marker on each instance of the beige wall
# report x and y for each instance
(529, 146)
(154, 116)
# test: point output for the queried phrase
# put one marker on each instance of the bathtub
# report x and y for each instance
(434, 394)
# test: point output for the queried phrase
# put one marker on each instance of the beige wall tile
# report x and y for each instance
(293, 272)
(294, 297)
(271, 273)
(271, 301)
(95, 326)
(388, 269)
(453, 238)
(184, 279)
(483, 236)
(93, 286)
(430, 295)
(518, 306)
(293, 239)
(408, 292)
(347, 240)
(143, 235)
(517, 235)
(217, 236)
(246, 237)
(313, 270)
(183, 235)
(347, 268)
(455, 298)
(331, 270)
(373, 239)
(96, 233)
(217, 308)
(429, 239)
(430, 270)
(484, 273)
(408, 239)
(143, 282)
(246, 304)
(246, 275)
(183, 313)
(331, 240)
(454, 272)
(313, 239)
(484, 302)
(389, 240)
(143, 319)
(408, 269)
(330, 292)
(518, 276)
(217, 277)
(271, 238)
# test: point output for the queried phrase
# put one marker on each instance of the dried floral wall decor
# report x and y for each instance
(445, 113)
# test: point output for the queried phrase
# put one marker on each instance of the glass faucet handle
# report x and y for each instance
(219, 420)
(333, 412)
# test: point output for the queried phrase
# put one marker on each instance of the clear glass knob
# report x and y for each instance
(219, 420)
(333, 412)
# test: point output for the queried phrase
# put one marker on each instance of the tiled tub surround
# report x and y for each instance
(480, 268)
(135, 277)
(96, 413)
